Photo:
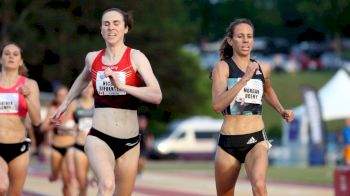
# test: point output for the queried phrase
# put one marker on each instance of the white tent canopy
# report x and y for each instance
(334, 97)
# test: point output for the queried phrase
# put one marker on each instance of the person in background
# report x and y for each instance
(31, 135)
(145, 142)
(238, 85)
(19, 97)
(63, 139)
(39, 143)
(83, 112)
(36, 140)
(346, 142)
(121, 77)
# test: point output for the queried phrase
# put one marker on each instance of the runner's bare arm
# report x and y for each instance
(271, 97)
(33, 100)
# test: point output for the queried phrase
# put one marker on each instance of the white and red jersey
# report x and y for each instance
(12, 101)
(105, 94)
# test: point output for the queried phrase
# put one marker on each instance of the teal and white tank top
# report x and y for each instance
(249, 99)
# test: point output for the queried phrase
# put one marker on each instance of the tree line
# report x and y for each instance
(57, 34)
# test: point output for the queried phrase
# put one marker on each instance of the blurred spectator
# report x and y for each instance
(37, 139)
(278, 63)
(292, 65)
(346, 141)
(145, 143)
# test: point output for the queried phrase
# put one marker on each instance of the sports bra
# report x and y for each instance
(12, 101)
(83, 117)
(105, 94)
(248, 101)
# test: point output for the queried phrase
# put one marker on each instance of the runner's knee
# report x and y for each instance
(259, 186)
(4, 186)
(107, 185)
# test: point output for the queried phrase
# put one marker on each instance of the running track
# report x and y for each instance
(175, 183)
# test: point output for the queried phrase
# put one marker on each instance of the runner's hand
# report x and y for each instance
(288, 115)
(110, 74)
(24, 90)
(251, 69)
(55, 118)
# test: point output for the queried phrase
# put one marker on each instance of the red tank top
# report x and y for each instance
(12, 101)
(105, 94)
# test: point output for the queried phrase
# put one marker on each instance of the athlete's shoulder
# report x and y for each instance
(90, 56)
(138, 58)
(265, 67)
(221, 65)
(135, 53)
(220, 69)
(31, 82)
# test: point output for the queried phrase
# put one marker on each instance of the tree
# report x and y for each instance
(56, 35)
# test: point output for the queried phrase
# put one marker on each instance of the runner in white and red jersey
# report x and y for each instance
(112, 145)
(19, 97)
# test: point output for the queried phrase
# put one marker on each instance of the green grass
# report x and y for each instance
(309, 175)
(288, 86)
(180, 166)
(312, 175)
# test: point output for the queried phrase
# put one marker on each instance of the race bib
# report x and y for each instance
(85, 124)
(9, 103)
(252, 92)
(104, 85)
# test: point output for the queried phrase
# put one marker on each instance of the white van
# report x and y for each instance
(192, 138)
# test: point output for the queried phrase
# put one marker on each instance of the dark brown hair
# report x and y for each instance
(55, 93)
(127, 16)
(226, 50)
(22, 70)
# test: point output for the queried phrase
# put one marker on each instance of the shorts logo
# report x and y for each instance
(23, 148)
(131, 144)
(252, 140)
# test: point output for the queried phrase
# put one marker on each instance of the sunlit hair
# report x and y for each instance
(127, 16)
(226, 50)
(22, 70)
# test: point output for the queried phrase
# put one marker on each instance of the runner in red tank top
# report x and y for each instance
(125, 72)
(114, 134)
(19, 96)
